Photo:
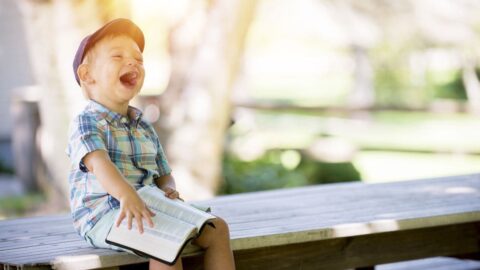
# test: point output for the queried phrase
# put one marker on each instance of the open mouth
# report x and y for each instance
(129, 79)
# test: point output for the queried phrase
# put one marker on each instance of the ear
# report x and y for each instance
(83, 73)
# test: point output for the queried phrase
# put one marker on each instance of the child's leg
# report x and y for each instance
(216, 241)
(156, 265)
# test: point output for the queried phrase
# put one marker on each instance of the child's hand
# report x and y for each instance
(132, 207)
(171, 193)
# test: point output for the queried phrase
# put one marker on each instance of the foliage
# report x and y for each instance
(268, 172)
(394, 81)
(448, 85)
(13, 206)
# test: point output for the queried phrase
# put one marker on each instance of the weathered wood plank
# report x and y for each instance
(322, 220)
(277, 209)
(114, 259)
(91, 261)
(39, 232)
(47, 239)
(289, 204)
(350, 252)
(39, 220)
(273, 219)
(436, 263)
(41, 242)
(343, 230)
(355, 189)
(33, 252)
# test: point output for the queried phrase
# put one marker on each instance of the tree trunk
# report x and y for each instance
(41, 17)
(472, 86)
(196, 106)
(363, 94)
(55, 29)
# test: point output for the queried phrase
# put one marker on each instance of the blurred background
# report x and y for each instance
(250, 95)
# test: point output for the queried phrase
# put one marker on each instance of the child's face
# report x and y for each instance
(116, 70)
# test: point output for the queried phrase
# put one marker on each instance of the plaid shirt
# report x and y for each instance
(131, 143)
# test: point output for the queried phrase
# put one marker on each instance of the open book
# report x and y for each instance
(176, 223)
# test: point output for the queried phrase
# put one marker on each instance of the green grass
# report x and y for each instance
(386, 130)
(15, 206)
(390, 145)
(418, 131)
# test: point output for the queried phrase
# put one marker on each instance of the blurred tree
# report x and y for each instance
(363, 93)
(196, 105)
(393, 31)
(53, 25)
(359, 23)
(472, 85)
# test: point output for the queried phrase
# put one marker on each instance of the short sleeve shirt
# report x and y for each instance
(131, 143)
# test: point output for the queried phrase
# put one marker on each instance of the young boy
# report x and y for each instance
(114, 152)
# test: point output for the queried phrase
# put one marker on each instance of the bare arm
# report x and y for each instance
(131, 205)
(167, 184)
(165, 181)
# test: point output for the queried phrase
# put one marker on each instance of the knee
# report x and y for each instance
(221, 228)
(214, 236)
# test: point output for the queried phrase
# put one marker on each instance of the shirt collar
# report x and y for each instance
(134, 114)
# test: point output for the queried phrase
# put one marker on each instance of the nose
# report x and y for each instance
(131, 62)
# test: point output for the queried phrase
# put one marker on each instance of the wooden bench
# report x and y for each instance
(335, 226)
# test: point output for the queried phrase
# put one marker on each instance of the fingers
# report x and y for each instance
(136, 211)
(138, 216)
(152, 214)
(129, 220)
(119, 219)
(168, 191)
(149, 219)
(171, 193)
(147, 215)
(138, 219)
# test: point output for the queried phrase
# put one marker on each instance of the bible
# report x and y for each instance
(176, 223)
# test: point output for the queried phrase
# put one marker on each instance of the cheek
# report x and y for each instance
(111, 74)
(101, 74)
(142, 71)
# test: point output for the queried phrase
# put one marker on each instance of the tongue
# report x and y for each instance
(129, 78)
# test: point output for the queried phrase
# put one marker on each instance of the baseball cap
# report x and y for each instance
(116, 27)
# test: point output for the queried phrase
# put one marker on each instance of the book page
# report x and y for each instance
(175, 222)
(163, 241)
(156, 201)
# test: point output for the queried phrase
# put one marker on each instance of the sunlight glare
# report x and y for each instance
(460, 190)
